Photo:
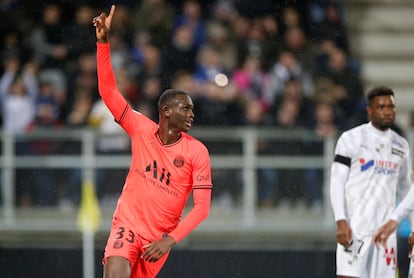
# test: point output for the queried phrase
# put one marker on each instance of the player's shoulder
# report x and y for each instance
(143, 120)
(398, 140)
(355, 131)
(193, 142)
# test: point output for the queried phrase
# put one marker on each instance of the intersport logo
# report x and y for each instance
(383, 167)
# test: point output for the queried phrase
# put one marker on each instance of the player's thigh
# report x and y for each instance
(117, 267)
(145, 269)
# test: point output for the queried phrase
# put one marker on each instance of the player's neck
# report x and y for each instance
(169, 136)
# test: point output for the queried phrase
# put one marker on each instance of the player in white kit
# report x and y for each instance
(371, 169)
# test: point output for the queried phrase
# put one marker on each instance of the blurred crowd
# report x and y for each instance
(284, 64)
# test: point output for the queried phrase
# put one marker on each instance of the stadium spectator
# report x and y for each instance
(41, 186)
(155, 17)
(325, 124)
(112, 140)
(296, 41)
(152, 66)
(78, 34)
(140, 41)
(218, 40)
(218, 101)
(180, 54)
(251, 82)
(258, 42)
(191, 16)
(327, 21)
(290, 110)
(287, 67)
(348, 87)
(18, 91)
(50, 50)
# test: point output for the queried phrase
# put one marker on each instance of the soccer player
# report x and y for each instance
(371, 169)
(167, 165)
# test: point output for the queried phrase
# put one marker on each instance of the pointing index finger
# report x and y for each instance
(111, 13)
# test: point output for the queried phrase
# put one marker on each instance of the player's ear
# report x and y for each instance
(369, 111)
(165, 111)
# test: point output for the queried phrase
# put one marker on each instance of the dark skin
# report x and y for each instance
(174, 117)
(381, 112)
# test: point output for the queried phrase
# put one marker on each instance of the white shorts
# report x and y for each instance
(362, 259)
(411, 266)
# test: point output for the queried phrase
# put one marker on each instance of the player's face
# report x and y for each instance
(182, 114)
(381, 112)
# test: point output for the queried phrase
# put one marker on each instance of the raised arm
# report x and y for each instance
(108, 90)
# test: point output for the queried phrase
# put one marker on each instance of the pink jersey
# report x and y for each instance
(161, 177)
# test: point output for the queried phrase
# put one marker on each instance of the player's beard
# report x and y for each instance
(386, 125)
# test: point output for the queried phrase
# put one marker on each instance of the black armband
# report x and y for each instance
(343, 160)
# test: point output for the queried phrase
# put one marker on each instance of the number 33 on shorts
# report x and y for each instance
(121, 235)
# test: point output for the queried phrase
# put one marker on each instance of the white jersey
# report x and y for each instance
(379, 171)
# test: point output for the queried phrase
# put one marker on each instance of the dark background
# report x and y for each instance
(33, 263)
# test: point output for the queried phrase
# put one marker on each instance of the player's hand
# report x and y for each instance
(410, 244)
(158, 248)
(380, 237)
(102, 25)
(343, 233)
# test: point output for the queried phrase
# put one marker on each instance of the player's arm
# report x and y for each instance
(405, 182)
(339, 175)
(158, 248)
(108, 90)
(199, 212)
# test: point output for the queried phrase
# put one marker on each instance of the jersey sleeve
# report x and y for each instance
(405, 182)
(200, 211)
(129, 119)
(344, 146)
(108, 90)
(201, 168)
(339, 175)
(405, 207)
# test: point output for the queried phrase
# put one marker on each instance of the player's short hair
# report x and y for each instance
(167, 96)
(379, 91)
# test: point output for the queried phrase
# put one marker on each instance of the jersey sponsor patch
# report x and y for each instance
(365, 165)
(384, 167)
(398, 152)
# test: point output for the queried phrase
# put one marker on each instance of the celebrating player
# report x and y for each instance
(167, 165)
(371, 168)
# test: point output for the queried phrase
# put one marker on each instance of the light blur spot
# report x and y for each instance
(221, 79)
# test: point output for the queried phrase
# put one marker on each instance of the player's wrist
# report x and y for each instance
(166, 236)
